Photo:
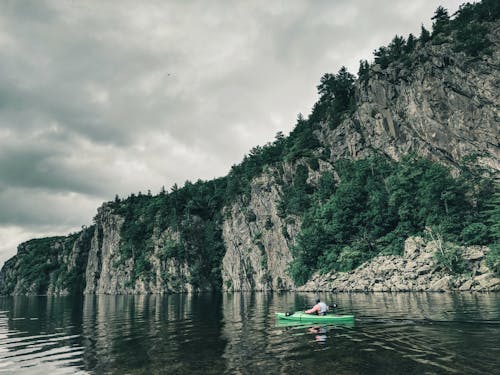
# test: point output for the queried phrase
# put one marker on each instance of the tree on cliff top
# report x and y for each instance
(336, 98)
(441, 21)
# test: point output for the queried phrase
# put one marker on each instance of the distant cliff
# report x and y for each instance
(412, 143)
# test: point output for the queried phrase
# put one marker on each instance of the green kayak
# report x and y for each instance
(300, 316)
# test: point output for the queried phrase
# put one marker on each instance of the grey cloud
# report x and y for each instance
(43, 168)
(37, 208)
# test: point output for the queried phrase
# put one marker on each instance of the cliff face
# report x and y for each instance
(109, 272)
(92, 262)
(443, 106)
(439, 104)
(102, 275)
(257, 241)
(47, 266)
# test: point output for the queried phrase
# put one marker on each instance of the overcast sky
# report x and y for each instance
(99, 98)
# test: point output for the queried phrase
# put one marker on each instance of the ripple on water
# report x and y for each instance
(22, 353)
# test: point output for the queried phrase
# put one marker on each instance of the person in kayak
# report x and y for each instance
(320, 308)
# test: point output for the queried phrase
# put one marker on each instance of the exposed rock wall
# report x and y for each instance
(170, 275)
(257, 241)
(105, 273)
(416, 270)
(74, 261)
(108, 272)
(91, 262)
(443, 106)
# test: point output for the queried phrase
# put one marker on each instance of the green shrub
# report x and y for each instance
(450, 257)
(472, 39)
(284, 232)
(313, 164)
(298, 272)
(171, 249)
(350, 258)
(493, 259)
(475, 234)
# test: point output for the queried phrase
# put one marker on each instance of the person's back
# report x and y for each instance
(323, 308)
(320, 308)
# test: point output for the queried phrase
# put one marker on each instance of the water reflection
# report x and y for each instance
(243, 313)
(148, 334)
(238, 333)
(31, 336)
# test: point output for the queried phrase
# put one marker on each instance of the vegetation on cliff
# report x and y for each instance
(493, 258)
(193, 211)
(466, 31)
(379, 203)
(43, 263)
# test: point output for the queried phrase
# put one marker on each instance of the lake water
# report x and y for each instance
(403, 333)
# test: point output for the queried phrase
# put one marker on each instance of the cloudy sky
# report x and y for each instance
(99, 98)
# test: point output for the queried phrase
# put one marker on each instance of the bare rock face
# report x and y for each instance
(170, 274)
(257, 241)
(74, 260)
(102, 275)
(443, 107)
(108, 272)
(416, 270)
(92, 262)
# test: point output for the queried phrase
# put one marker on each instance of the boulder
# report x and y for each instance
(440, 285)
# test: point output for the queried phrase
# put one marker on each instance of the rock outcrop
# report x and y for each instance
(257, 241)
(444, 106)
(416, 270)
(64, 261)
(108, 272)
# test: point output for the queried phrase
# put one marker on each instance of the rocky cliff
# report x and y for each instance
(442, 105)
(109, 272)
(91, 262)
(53, 265)
(239, 232)
(257, 241)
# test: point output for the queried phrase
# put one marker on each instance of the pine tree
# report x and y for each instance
(364, 70)
(410, 44)
(425, 35)
(396, 47)
(441, 21)
(382, 57)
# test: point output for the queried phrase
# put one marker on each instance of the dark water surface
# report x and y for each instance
(424, 333)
